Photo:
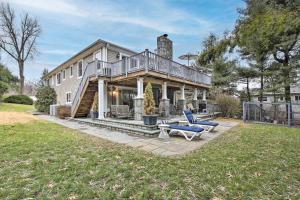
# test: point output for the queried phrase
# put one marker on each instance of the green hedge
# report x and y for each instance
(19, 99)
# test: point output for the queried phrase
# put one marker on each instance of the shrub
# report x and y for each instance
(46, 96)
(3, 89)
(149, 104)
(19, 99)
(228, 105)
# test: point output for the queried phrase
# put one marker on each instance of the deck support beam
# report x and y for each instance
(164, 104)
(181, 103)
(101, 98)
(139, 100)
(195, 100)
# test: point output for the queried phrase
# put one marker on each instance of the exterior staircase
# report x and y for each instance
(84, 97)
(87, 99)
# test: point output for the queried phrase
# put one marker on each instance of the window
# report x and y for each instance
(64, 75)
(264, 98)
(71, 71)
(68, 96)
(58, 78)
(79, 65)
(281, 98)
(297, 98)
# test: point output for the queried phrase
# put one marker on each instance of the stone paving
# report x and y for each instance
(173, 146)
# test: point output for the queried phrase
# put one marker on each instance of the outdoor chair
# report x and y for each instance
(191, 107)
(189, 132)
(208, 125)
(120, 111)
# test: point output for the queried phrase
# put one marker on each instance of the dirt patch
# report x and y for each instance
(7, 118)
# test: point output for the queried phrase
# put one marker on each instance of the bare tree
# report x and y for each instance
(18, 40)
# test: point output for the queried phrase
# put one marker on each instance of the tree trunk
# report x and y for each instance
(261, 94)
(287, 87)
(248, 90)
(21, 73)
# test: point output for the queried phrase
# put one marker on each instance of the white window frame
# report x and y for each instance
(71, 71)
(78, 69)
(298, 96)
(69, 102)
(64, 75)
(59, 73)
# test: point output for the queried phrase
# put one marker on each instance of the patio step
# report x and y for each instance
(132, 129)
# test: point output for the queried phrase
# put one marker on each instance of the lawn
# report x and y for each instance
(15, 107)
(46, 161)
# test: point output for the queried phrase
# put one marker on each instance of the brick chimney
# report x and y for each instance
(165, 46)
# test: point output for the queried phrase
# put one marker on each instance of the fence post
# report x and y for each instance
(244, 111)
(289, 114)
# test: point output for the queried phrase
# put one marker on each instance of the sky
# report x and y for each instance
(68, 26)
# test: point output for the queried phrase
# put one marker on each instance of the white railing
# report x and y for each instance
(90, 70)
(148, 61)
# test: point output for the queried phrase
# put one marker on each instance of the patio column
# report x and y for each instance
(195, 101)
(140, 88)
(101, 99)
(139, 100)
(164, 104)
(117, 93)
(204, 95)
(181, 102)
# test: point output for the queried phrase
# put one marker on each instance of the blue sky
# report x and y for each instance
(70, 25)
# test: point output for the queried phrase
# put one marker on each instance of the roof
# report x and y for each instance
(84, 50)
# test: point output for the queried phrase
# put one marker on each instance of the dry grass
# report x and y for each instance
(9, 118)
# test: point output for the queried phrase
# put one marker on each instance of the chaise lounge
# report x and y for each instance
(189, 132)
(209, 126)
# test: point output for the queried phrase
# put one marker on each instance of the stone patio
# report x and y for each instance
(173, 146)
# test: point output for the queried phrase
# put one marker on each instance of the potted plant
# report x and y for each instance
(94, 113)
(149, 107)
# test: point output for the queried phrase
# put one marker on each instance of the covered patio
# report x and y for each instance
(170, 96)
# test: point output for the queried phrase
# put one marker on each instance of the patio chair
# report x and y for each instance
(189, 132)
(191, 107)
(208, 125)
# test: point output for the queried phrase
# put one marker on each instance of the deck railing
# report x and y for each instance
(148, 61)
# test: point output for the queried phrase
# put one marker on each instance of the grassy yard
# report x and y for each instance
(15, 107)
(47, 161)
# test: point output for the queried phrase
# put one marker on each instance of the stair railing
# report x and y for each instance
(90, 70)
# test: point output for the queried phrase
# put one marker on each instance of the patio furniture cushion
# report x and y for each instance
(189, 116)
(186, 128)
(208, 123)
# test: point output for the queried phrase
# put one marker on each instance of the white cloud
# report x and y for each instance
(156, 15)
(56, 6)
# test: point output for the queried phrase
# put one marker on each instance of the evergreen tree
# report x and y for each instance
(245, 74)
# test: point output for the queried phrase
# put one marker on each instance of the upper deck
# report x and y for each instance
(149, 63)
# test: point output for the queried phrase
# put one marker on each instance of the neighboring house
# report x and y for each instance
(269, 98)
(119, 76)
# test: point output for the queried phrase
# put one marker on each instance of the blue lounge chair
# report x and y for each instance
(209, 126)
(189, 132)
